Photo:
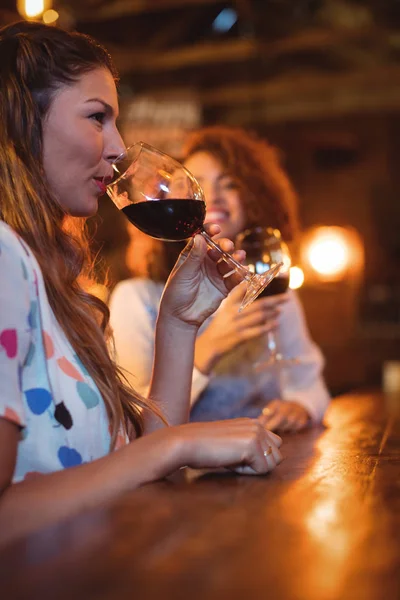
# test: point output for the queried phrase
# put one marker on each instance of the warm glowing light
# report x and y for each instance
(34, 8)
(296, 278)
(328, 252)
(50, 16)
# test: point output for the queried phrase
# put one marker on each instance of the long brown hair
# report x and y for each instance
(35, 61)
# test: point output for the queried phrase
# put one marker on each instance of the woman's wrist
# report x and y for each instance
(163, 454)
(205, 353)
(167, 320)
(180, 447)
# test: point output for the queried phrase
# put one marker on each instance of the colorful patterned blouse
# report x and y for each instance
(44, 388)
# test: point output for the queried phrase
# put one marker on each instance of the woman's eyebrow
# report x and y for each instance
(107, 106)
(225, 174)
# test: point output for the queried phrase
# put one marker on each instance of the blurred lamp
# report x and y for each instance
(296, 278)
(50, 16)
(332, 252)
(32, 9)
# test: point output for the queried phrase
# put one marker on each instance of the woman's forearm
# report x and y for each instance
(206, 353)
(173, 370)
(37, 502)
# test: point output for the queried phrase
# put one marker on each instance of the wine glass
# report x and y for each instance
(163, 199)
(264, 246)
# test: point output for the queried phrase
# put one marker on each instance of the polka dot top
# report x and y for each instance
(44, 388)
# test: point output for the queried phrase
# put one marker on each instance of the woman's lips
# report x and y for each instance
(216, 216)
(101, 186)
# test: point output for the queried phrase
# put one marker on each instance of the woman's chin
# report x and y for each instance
(88, 208)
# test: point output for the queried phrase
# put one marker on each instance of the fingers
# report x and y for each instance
(227, 246)
(284, 416)
(256, 315)
(274, 302)
(274, 415)
(230, 276)
(268, 446)
(272, 456)
(196, 248)
(294, 422)
(236, 296)
(226, 269)
(275, 438)
(212, 229)
(247, 447)
(274, 443)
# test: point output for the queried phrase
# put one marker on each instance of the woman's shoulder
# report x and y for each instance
(137, 288)
(13, 249)
(9, 238)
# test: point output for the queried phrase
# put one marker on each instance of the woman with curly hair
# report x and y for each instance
(244, 186)
(65, 407)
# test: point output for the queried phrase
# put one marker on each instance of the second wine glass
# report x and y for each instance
(264, 246)
(164, 200)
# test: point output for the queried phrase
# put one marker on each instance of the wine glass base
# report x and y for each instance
(277, 361)
(257, 284)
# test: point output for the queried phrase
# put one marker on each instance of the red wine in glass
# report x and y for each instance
(171, 220)
(279, 285)
(164, 200)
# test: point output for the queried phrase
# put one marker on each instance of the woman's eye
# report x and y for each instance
(99, 117)
(230, 185)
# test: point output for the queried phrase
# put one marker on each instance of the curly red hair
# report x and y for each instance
(266, 192)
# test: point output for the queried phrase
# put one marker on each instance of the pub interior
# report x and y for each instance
(320, 80)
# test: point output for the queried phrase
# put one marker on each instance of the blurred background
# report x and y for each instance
(320, 79)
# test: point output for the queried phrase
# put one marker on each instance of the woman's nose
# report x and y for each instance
(210, 193)
(115, 147)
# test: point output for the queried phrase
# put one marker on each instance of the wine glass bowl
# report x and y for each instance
(157, 196)
(164, 200)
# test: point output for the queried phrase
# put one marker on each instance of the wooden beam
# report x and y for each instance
(295, 98)
(212, 52)
(239, 50)
(369, 83)
(123, 8)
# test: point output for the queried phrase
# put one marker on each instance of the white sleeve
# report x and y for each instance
(199, 383)
(133, 315)
(303, 382)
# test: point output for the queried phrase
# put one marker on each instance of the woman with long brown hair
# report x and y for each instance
(64, 405)
(244, 186)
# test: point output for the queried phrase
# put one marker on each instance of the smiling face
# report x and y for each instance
(221, 192)
(80, 140)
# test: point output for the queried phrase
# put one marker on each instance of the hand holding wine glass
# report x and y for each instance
(230, 328)
(196, 286)
(163, 199)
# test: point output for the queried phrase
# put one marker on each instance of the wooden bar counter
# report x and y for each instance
(325, 525)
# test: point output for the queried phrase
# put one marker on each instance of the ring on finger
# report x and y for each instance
(268, 452)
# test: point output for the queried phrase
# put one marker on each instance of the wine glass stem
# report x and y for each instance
(243, 271)
(271, 343)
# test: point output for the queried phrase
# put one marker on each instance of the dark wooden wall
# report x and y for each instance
(346, 171)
